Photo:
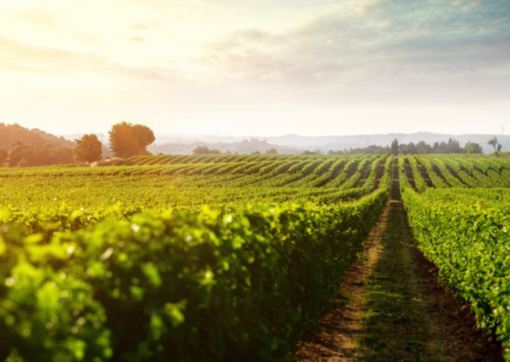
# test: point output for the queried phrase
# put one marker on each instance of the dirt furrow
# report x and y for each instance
(393, 307)
(340, 327)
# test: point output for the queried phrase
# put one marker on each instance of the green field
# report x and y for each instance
(219, 257)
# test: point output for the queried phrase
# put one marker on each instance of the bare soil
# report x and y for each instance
(340, 327)
(438, 172)
(425, 175)
(392, 306)
(453, 321)
(409, 172)
(379, 175)
(456, 175)
(364, 175)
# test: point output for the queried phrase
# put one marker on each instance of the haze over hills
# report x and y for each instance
(12, 133)
(291, 143)
(170, 143)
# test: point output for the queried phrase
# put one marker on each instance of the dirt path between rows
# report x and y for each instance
(392, 306)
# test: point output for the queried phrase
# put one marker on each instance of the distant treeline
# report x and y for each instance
(32, 147)
(452, 146)
(246, 146)
(22, 147)
(10, 134)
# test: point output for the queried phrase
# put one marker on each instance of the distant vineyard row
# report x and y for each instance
(216, 257)
(321, 180)
(126, 263)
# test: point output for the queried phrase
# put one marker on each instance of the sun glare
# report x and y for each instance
(18, 4)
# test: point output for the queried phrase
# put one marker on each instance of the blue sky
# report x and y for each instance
(263, 67)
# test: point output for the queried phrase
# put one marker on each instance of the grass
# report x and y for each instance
(396, 322)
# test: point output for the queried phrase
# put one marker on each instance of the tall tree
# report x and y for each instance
(472, 147)
(87, 149)
(144, 137)
(394, 147)
(410, 148)
(423, 148)
(128, 140)
(494, 143)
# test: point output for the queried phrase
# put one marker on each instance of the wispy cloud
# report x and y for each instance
(43, 59)
(137, 39)
(19, 57)
(239, 63)
(369, 38)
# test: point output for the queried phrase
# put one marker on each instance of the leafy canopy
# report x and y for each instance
(88, 149)
(128, 139)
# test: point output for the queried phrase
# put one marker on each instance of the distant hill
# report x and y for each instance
(243, 146)
(183, 144)
(327, 143)
(12, 133)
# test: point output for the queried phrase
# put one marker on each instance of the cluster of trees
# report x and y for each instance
(204, 150)
(20, 146)
(372, 149)
(10, 134)
(247, 146)
(37, 148)
(451, 146)
(126, 140)
(24, 155)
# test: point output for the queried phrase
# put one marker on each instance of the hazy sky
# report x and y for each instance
(256, 67)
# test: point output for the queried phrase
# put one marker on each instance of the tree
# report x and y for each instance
(3, 156)
(128, 140)
(50, 153)
(423, 148)
(472, 147)
(204, 150)
(453, 146)
(337, 152)
(394, 147)
(494, 143)
(272, 151)
(144, 137)
(410, 148)
(16, 153)
(87, 149)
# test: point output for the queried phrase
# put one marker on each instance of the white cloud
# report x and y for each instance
(242, 65)
(365, 39)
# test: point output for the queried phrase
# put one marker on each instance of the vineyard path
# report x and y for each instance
(392, 307)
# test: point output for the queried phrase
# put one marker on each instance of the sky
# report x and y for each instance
(262, 68)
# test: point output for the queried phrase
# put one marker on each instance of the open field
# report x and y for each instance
(219, 257)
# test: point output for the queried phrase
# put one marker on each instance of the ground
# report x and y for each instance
(392, 306)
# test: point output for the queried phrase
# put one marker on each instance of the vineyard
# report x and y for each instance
(220, 257)
(459, 219)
